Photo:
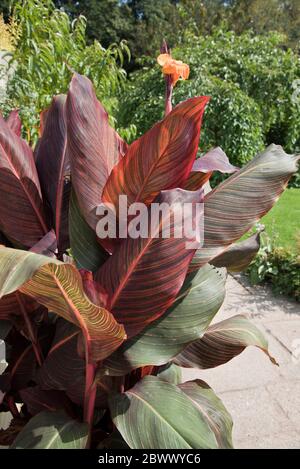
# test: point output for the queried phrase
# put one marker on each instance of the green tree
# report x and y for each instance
(50, 47)
(5, 7)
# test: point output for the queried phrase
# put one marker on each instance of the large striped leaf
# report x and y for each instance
(63, 369)
(203, 167)
(54, 168)
(234, 206)
(186, 320)
(21, 208)
(239, 255)
(222, 342)
(161, 159)
(10, 306)
(46, 246)
(143, 275)
(87, 252)
(52, 430)
(14, 122)
(92, 146)
(38, 400)
(157, 414)
(21, 359)
(212, 408)
(21, 365)
(59, 287)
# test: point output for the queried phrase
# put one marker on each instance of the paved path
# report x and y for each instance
(263, 399)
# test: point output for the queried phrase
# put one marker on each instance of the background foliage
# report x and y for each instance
(278, 266)
(50, 46)
(250, 81)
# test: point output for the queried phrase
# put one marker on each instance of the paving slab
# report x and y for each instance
(256, 415)
(287, 394)
(290, 440)
(287, 332)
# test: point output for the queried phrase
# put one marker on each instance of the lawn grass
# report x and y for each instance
(283, 221)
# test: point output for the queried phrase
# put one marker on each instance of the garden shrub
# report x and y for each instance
(277, 266)
(250, 79)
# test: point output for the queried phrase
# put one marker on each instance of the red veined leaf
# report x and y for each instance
(214, 160)
(239, 255)
(222, 342)
(161, 159)
(144, 275)
(203, 167)
(10, 306)
(58, 287)
(21, 201)
(64, 369)
(46, 246)
(53, 168)
(93, 147)
(233, 207)
(21, 360)
(37, 400)
(14, 122)
(21, 369)
(196, 180)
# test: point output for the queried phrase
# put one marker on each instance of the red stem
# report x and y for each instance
(32, 336)
(89, 397)
(90, 368)
(12, 407)
(168, 79)
(169, 92)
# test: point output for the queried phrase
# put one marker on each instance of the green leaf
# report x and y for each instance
(157, 414)
(170, 373)
(52, 430)
(87, 252)
(222, 342)
(212, 409)
(198, 301)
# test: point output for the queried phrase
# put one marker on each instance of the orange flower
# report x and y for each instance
(176, 68)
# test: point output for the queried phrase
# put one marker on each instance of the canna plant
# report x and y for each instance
(97, 330)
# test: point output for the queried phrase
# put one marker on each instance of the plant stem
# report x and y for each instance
(32, 336)
(89, 396)
(12, 407)
(168, 80)
(168, 95)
